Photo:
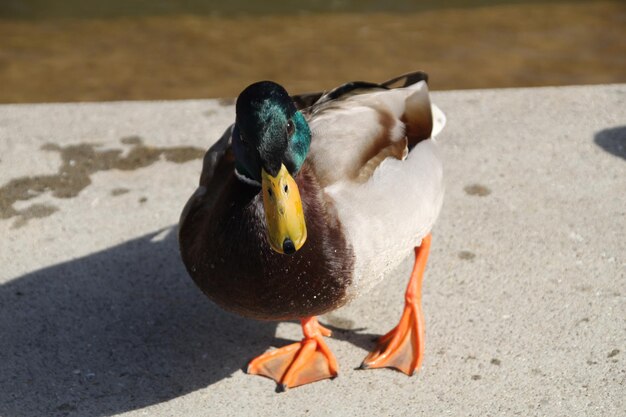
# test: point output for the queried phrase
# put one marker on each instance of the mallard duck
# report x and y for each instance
(308, 201)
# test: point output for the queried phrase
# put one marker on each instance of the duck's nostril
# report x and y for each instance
(288, 247)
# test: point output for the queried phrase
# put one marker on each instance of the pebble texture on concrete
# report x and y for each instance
(524, 295)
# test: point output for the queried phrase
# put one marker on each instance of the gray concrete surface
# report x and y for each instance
(525, 293)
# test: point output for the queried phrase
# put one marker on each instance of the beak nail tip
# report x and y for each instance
(288, 247)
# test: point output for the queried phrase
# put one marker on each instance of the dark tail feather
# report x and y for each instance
(409, 78)
(303, 101)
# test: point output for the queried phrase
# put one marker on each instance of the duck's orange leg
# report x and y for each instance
(403, 347)
(298, 363)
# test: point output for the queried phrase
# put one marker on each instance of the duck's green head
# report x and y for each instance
(271, 140)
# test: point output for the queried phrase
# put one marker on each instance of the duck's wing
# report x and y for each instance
(374, 153)
(308, 102)
(358, 125)
(218, 164)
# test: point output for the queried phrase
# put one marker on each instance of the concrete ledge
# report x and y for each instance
(524, 296)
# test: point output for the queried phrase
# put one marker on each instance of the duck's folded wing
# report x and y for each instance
(354, 134)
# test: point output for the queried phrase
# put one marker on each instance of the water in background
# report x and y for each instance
(168, 49)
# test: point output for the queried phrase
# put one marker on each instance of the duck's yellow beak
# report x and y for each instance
(286, 229)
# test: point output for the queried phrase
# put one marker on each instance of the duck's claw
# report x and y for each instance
(298, 363)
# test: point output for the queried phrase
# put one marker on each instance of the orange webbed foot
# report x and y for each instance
(299, 363)
(403, 347)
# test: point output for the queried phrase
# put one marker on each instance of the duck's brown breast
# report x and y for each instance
(226, 252)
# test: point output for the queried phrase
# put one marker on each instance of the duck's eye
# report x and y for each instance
(269, 192)
(286, 188)
(290, 127)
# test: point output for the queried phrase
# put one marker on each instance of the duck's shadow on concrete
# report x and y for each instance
(612, 140)
(115, 331)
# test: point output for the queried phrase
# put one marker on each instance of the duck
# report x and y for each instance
(307, 202)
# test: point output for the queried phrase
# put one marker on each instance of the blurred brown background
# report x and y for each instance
(174, 49)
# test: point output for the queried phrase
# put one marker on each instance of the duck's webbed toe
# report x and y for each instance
(299, 363)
